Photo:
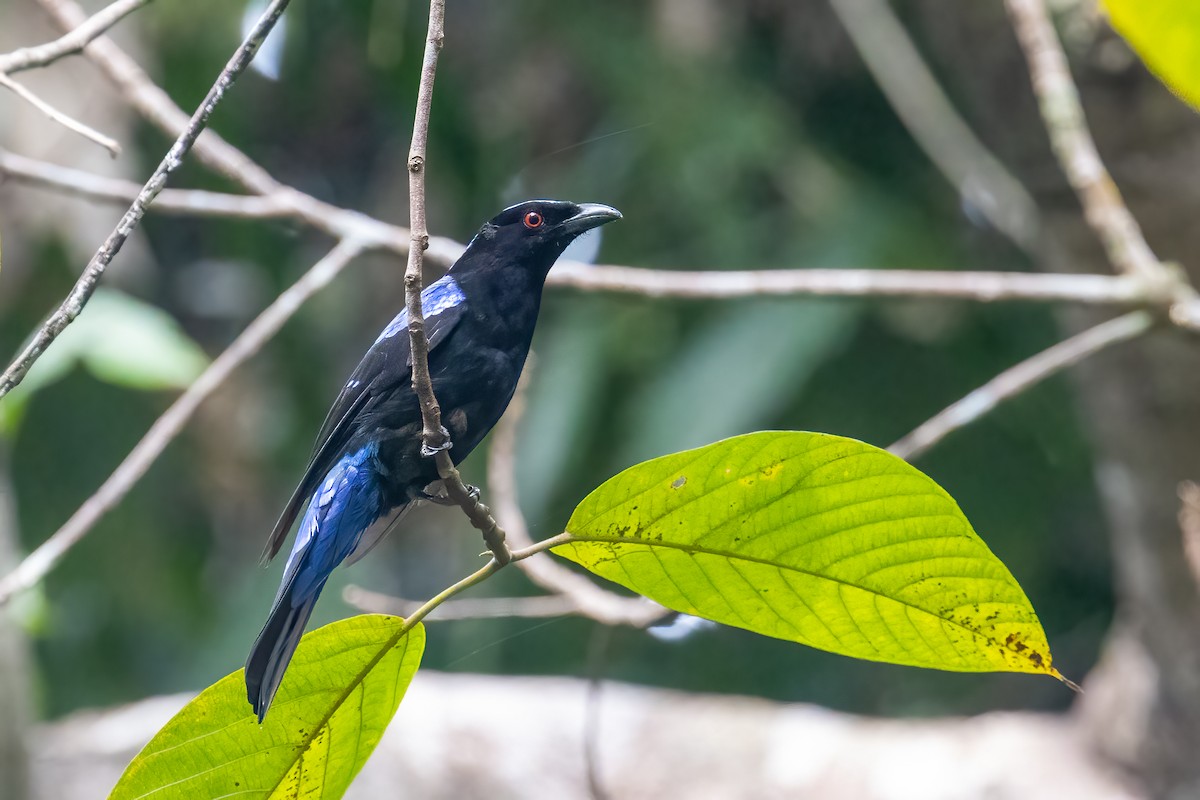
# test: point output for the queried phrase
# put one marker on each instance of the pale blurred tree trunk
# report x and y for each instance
(1141, 402)
(15, 678)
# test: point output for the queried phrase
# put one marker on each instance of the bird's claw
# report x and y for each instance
(428, 450)
(446, 500)
(438, 499)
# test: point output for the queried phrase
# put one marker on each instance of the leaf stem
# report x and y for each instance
(478, 576)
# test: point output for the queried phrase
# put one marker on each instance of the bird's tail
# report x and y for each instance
(275, 645)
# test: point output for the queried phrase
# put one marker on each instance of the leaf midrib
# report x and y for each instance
(800, 570)
(359, 677)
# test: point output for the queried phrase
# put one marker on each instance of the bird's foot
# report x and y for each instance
(438, 499)
(443, 499)
(430, 450)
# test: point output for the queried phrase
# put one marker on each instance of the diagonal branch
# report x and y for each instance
(539, 607)
(1017, 379)
(1058, 99)
(164, 430)
(930, 117)
(156, 106)
(68, 122)
(435, 440)
(71, 42)
(86, 285)
(584, 596)
(183, 202)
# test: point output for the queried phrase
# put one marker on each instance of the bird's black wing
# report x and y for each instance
(372, 379)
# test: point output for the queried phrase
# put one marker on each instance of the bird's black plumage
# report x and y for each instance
(367, 468)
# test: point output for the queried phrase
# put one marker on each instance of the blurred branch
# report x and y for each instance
(70, 123)
(16, 675)
(542, 607)
(73, 305)
(185, 202)
(1058, 99)
(1017, 379)
(980, 286)
(37, 564)
(980, 178)
(435, 439)
(1189, 524)
(586, 598)
(154, 104)
(70, 43)
(217, 154)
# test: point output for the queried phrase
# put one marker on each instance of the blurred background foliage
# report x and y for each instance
(732, 136)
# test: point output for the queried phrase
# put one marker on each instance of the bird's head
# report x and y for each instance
(535, 233)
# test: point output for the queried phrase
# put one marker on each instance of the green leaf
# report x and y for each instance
(122, 341)
(1166, 35)
(130, 343)
(340, 692)
(815, 539)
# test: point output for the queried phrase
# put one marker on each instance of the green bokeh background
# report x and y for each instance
(752, 143)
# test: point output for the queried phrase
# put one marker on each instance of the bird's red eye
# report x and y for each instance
(534, 220)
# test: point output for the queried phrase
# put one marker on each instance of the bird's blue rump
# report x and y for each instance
(346, 504)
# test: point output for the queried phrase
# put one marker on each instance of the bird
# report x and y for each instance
(367, 467)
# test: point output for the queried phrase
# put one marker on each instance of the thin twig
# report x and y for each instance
(656, 283)
(70, 43)
(597, 660)
(478, 576)
(435, 440)
(587, 598)
(158, 108)
(184, 202)
(979, 286)
(75, 126)
(541, 607)
(212, 151)
(1189, 525)
(1058, 99)
(73, 305)
(1018, 378)
(925, 110)
(164, 430)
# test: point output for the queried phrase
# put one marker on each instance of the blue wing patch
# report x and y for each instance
(437, 297)
(346, 503)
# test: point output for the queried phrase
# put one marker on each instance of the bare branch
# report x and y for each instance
(184, 202)
(1017, 379)
(71, 42)
(435, 440)
(73, 305)
(541, 607)
(880, 283)
(155, 105)
(1062, 112)
(1189, 525)
(925, 110)
(981, 286)
(586, 598)
(164, 430)
(71, 124)
(217, 154)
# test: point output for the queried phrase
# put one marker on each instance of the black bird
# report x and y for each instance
(367, 468)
